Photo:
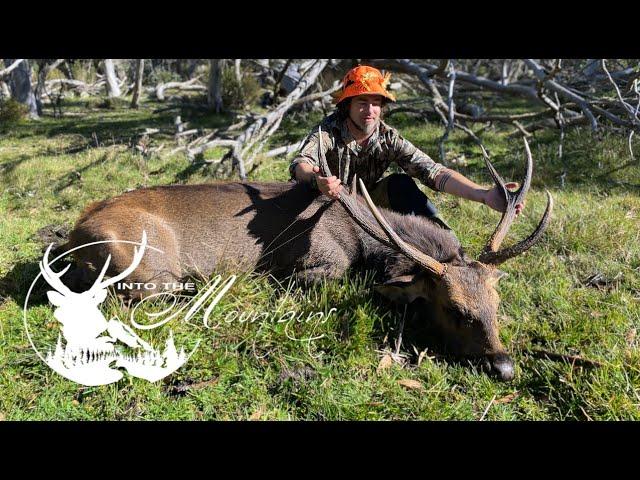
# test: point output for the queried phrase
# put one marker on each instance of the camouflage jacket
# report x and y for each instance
(345, 157)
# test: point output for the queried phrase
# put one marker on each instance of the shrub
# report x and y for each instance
(12, 113)
(238, 94)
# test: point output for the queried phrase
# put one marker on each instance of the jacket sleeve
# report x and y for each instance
(309, 151)
(415, 162)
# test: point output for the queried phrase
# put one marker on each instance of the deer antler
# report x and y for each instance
(491, 253)
(53, 278)
(350, 204)
(137, 257)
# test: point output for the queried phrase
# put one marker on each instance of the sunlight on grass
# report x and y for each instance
(51, 169)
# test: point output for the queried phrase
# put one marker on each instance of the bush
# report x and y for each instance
(238, 94)
(113, 103)
(158, 76)
(83, 70)
(12, 113)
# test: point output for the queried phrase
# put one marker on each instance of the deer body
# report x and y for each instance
(280, 227)
(289, 229)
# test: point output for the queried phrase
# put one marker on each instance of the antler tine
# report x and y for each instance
(137, 258)
(408, 250)
(496, 258)
(51, 277)
(350, 202)
(494, 174)
(322, 158)
(526, 181)
(511, 199)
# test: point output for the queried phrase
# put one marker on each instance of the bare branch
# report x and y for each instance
(10, 68)
(188, 85)
(628, 108)
(562, 91)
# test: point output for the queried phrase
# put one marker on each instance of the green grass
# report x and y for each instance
(50, 169)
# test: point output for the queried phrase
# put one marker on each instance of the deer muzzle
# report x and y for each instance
(500, 365)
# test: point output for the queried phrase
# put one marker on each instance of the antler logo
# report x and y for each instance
(90, 352)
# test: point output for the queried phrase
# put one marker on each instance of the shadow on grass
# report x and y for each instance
(120, 121)
(17, 281)
(184, 175)
(7, 168)
(76, 175)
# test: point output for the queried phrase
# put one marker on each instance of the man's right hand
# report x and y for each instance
(329, 186)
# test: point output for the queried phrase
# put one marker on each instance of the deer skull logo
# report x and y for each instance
(90, 353)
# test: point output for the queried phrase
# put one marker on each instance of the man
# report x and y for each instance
(357, 141)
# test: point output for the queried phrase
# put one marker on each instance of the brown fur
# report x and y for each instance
(288, 229)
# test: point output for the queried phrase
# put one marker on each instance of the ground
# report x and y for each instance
(52, 168)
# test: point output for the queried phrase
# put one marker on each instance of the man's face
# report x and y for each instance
(365, 112)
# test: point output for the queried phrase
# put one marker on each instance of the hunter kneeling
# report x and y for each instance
(357, 142)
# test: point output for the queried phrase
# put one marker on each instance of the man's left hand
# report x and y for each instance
(495, 199)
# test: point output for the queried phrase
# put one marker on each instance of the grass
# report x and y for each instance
(50, 169)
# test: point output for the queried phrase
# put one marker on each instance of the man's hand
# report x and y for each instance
(329, 186)
(495, 199)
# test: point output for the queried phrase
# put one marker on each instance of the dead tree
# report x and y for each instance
(46, 66)
(190, 85)
(20, 84)
(245, 148)
(6, 71)
(214, 93)
(137, 87)
(113, 90)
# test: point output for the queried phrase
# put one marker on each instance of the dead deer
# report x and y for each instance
(288, 229)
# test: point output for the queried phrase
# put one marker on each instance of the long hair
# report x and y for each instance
(342, 109)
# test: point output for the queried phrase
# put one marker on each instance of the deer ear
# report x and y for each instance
(403, 289)
(56, 299)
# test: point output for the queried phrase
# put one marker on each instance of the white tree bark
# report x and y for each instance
(6, 71)
(46, 66)
(20, 84)
(113, 90)
(4, 90)
(214, 96)
(188, 85)
(137, 88)
(253, 138)
(236, 65)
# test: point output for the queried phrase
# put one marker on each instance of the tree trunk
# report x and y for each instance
(20, 84)
(215, 85)
(236, 65)
(65, 68)
(4, 91)
(137, 87)
(192, 65)
(45, 67)
(113, 90)
(6, 71)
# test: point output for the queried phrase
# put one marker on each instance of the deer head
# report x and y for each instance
(462, 294)
(78, 313)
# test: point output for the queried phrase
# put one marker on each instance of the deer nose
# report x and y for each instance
(502, 366)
